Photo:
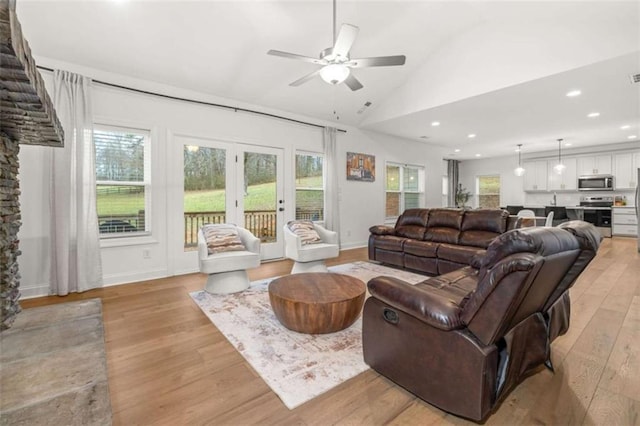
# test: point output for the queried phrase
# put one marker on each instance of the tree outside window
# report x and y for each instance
(488, 191)
(404, 189)
(309, 186)
(122, 180)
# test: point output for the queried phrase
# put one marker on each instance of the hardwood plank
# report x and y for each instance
(622, 372)
(608, 408)
(168, 364)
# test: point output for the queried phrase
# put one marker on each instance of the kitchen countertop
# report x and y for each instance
(570, 207)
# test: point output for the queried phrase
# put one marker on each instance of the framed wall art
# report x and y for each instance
(361, 167)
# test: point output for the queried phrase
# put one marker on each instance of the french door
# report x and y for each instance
(229, 183)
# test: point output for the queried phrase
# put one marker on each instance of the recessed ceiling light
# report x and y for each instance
(456, 150)
(625, 127)
(631, 137)
(568, 144)
(471, 135)
(517, 149)
(574, 93)
(478, 155)
(435, 123)
(593, 114)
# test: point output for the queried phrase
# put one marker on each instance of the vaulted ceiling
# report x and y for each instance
(499, 70)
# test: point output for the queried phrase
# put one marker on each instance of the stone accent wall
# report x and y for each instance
(9, 226)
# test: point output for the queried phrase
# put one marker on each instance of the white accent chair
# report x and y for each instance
(549, 220)
(527, 217)
(310, 257)
(228, 270)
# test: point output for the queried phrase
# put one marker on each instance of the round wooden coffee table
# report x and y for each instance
(316, 302)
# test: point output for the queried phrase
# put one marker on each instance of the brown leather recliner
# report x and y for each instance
(462, 341)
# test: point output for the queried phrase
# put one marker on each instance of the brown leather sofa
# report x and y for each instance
(437, 241)
(462, 341)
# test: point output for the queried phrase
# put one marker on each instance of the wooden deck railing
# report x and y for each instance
(261, 223)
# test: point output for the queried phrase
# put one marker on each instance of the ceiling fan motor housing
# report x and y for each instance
(327, 54)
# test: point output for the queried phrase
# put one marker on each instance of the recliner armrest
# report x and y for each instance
(425, 305)
(382, 230)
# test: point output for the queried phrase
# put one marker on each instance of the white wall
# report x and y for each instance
(361, 206)
(510, 185)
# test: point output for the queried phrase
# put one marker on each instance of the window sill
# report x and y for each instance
(127, 241)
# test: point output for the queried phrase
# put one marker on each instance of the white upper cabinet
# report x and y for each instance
(568, 180)
(535, 176)
(626, 170)
(594, 165)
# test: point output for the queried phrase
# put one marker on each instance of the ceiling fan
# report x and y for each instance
(335, 61)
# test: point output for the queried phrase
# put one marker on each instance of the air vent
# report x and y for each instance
(635, 78)
(364, 107)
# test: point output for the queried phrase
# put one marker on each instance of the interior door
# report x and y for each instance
(260, 197)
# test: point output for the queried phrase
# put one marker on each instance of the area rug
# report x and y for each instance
(54, 369)
(298, 367)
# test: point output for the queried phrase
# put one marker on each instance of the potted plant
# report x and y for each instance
(462, 196)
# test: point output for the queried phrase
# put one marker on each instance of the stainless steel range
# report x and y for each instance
(597, 210)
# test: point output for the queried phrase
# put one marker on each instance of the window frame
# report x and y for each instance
(138, 237)
(421, 188)
(295, 185)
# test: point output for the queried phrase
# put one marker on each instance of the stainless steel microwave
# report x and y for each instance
(595, 183)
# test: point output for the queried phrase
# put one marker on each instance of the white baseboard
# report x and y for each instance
(126, 278)
(358, 244)
(32, 291)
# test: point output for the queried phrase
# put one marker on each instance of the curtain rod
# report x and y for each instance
(177, 98)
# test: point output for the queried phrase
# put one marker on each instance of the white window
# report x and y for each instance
(123, 184)
(404, 189)
(488, 190)
(309, 186)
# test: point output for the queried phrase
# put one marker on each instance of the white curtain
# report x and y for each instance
(75, 245)
(331, 207)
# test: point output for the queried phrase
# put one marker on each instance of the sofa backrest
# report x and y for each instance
(444, 225)
(412, 223)
(522, 272)
(480, 227)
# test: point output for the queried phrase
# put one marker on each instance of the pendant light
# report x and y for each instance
(559, 168)
(519, 171)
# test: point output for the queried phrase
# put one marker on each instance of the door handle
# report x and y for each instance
(281, 209)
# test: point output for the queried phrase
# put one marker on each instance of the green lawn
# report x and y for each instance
(259, 197)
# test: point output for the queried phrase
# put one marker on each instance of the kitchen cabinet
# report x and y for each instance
(535, 176)
(594, 165)
(568, 180)
(625, 221)
(625, 170)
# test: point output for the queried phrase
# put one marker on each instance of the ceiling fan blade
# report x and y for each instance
(346, 37)
(295, 56)
(353, 83)
(304, 79)
(379, 61)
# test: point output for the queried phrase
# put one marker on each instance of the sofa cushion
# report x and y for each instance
(457, 285)
(448, 218)
(458, 254)
(442, 235)
(412, 223)
(477, 238)
(222, 238)
(421, 248)
(389, 242)
(491, 220)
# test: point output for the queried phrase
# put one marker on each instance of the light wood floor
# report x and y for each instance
(169, 365)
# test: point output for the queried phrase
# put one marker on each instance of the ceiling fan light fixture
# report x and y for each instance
(334, 73)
